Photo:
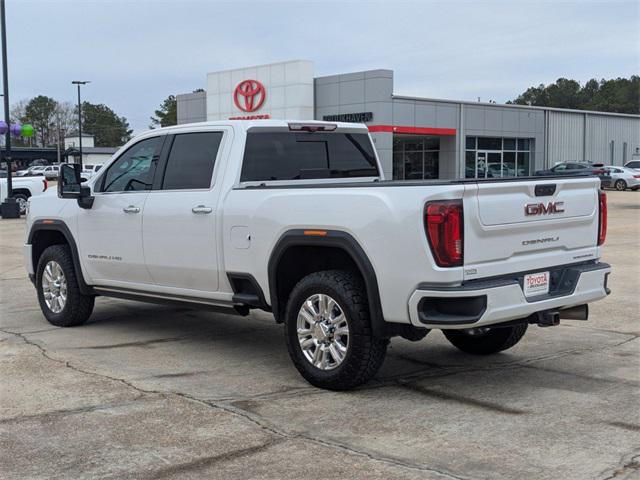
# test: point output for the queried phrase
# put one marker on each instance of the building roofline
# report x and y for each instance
(262, 65)
(507, 105)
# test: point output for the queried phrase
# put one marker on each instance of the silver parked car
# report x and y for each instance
(633, 164)
(623, 177)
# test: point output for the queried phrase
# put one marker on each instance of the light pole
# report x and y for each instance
(9, 207)
(78, 83)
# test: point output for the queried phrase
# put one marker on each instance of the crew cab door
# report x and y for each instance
(179, 231)
(111, 231)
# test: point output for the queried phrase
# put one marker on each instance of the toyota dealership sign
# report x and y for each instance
(249, 95)
(277, 90)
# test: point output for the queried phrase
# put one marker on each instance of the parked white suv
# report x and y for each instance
(90, 170)
(295, 219)
(51, 172)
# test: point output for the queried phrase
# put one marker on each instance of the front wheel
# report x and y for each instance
(22, 200)
(61, 301)
(486, 340)
(328, 331)
(620, 185)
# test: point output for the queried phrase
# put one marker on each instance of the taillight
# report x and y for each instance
(44, 184)
(599, 172)
(444, 226)
(602, 219)
(636, 176)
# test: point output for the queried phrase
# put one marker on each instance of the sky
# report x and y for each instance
(136, 53)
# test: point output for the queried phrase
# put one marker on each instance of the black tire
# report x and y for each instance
(78, 307)
(365, 353)
(620, 185)
(22, 199)
(493, 340)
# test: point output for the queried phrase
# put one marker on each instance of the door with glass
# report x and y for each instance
(489, 164)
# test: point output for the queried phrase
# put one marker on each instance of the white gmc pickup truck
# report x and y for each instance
(296, 219)
(23, 188)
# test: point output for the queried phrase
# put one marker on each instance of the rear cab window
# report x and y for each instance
(191, 161)
(284, 155)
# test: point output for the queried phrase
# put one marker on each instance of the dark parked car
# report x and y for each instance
(579, 168)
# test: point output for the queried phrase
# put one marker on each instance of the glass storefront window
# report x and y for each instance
(509, 143)
(470, 163)
(509, 164)
(431, 169)
(489, 143)
(491, 157)
(471, 143)
(523, 164)
(413, 166)
(398, 166)
(415, 157)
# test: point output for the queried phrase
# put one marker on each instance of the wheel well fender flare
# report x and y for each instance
(334, 239)
(61, 227)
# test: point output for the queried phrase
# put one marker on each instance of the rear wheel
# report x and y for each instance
(328, 331)
(487, 340)
(61, 301)
(620, 185)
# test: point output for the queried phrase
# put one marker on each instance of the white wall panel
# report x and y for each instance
(565, 137)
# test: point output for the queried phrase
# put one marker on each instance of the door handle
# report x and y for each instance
(131, 209)
(201, 210)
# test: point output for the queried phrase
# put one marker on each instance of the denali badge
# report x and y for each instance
(537, 241)
(542, 209)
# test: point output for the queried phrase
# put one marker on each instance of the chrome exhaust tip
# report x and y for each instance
(581, 312)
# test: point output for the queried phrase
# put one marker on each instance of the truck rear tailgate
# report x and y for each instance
(528, 225)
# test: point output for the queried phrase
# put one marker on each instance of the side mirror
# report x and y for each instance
(70, 185)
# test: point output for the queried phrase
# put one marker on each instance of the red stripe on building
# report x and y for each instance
(412, 130)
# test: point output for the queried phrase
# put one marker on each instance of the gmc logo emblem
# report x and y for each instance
(542, 209)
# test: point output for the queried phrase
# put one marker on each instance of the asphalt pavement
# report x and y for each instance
(145, 391)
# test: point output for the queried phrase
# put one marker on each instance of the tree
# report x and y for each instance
(167, 114)
(40, 111)
(621, 95)
(67, 118)
(109, 129)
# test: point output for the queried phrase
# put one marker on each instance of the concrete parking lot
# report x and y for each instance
(146, 391)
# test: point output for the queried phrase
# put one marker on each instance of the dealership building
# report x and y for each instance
(416, 137)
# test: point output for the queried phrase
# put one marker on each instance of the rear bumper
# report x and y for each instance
(481, 303)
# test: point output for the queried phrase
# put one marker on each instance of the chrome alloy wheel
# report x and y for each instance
(54, 287)
(323, 332)
(22, 204)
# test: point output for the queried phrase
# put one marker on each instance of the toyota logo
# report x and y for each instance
(249, 95)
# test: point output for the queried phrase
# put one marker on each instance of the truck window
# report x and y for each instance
(296, 156)
(191, 160)
(134, 169)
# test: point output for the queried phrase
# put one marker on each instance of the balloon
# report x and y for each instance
(16, 129)
(3, 128)
(27, 130)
